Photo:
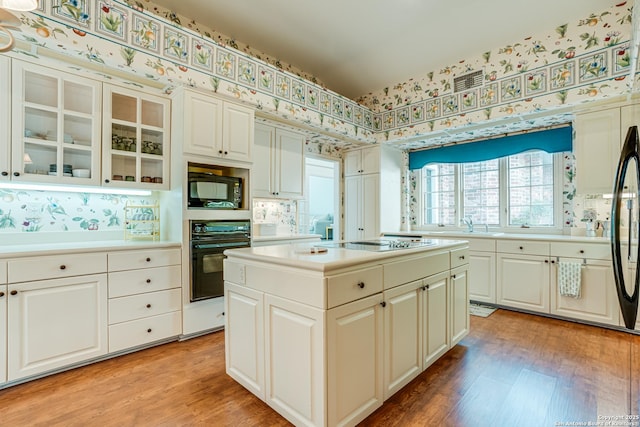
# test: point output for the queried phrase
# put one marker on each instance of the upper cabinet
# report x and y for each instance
(55, 126)
(5, 119)
(362, 161)
(279, 167)
(136, 138)
(215, 128)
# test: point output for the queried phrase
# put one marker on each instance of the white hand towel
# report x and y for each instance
(569, 279)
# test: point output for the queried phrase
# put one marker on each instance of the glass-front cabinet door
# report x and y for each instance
(136, 139)
(55, 126)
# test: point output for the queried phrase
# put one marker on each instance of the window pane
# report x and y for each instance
(481, 194)
(439, 196)
(531, 189)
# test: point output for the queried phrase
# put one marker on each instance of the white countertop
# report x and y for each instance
(34, 249)
(497, 235)
(300, 256)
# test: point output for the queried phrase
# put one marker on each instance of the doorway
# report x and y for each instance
(320, 211)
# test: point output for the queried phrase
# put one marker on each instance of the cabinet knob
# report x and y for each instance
(454, 276)
(546, 261)
(219, 151)
(225, 153)
(461, 257)
(521, 247)
(63, 267)
(383, 304)
(424, 288)
(106, 181)
(223, 313)
(16, 174)
(361, 285)
(5, 173)
(148, 305)
(14, 292)
(149, 330)
(581, 251)
(553, 261)
(148, 259)
(1, 294)
(148, 280)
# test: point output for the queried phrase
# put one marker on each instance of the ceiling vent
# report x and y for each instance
(468, 81)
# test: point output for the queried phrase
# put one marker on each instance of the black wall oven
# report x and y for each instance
(209, 239)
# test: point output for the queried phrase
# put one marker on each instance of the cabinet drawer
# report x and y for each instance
(55, 266)
(581, 250)
(122, 283)
(481, 244)
(459, 257)
(527, 247)
(144, 331)
(354, 285)
(3, 272)
(409, 270)
(130, 260)
(134, 307)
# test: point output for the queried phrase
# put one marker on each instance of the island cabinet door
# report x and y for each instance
(354, 360)
(402, 336)
(294, 358)
(244, 337)
(459, 304)
(435, 318)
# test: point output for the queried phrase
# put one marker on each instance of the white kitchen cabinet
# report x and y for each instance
(244, 337)
(598, 300)
(145, 297)
(362, 161)
(279, 172)
(435, 318)
(459, 290)
(403, 334)
(362, 207)
(214, 128)
(372, 197)
(136, 139)
(5, 118)
(55, 323)
(597, 149)
(3, 333)
(482, 265)
(55, 125)
(354, 360)
(523, 281)
(294, 339)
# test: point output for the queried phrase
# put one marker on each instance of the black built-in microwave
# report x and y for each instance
(211, 191)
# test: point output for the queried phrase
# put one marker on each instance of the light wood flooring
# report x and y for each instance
(513, 369)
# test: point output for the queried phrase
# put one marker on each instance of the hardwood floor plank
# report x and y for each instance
(512, 365)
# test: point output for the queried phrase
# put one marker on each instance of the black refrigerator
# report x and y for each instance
(624, 243)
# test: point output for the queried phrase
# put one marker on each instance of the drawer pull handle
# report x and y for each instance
(63, 267)
(581, 251)
(148, 305)
(148, 259)
(1, 294)
(521, 247)
(546, 261)
(148, 280)
(383, 304)
(454, 276)
(361, 285)
(149, 330)
(14, 292)
(461, 257)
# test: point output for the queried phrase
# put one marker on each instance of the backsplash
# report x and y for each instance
(283, 213)
(48, 211)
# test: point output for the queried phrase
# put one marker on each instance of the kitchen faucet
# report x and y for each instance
(469, 222)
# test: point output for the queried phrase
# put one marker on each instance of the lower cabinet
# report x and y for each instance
(598, 300)
(482, 287)
(523, 281)
(295, 372)
(3, 333)
(244, 337)
(435, 318)
(54, 323)
(354, 360)
(459, 290)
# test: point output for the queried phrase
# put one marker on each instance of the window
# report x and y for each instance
(514, 191)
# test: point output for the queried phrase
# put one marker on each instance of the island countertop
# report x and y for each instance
(301, 255)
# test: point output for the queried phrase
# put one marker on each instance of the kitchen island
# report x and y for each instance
(324, 335)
